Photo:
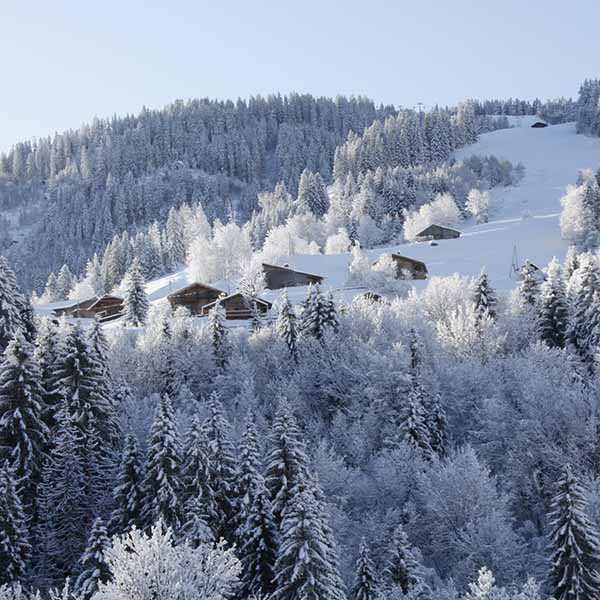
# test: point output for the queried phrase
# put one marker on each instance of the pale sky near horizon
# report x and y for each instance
(66, 61)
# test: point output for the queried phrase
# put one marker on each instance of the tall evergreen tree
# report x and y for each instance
(580, 325)
(286, 326)
(128, 496)
(14, 544)
(218, 334)
(136, 301)
(365, 586)
(484, 297)
(256, 534)
(162, 482)
(529, 287)
(45, 354)
(316, 314)
(10, 304)
(94, 567)
(402, 569)
(23, 433)
(574, 572)
(553, 311)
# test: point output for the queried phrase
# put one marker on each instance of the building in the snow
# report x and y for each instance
(278, 277)
(238, 307)
(104, 308)
(194, 297)
(437, 232)
(539, 124)
(409, 268)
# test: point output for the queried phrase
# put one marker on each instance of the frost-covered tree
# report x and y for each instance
(162, 480)
(366, 584)
(484, 296)
(553, 310)
(136, 301)
(286, 326)
(581, 327)
(478, 204)
(529, 286)
(128, 493)
(316, 314)
(218, 334)
(14, 543)
(11, 303)
(402, 569)
(574, 572)
(94, 567)
(148, 567)
(23, 433)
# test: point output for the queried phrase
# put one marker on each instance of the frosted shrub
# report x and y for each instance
(575, 219)
(478, 204)
(338, 243)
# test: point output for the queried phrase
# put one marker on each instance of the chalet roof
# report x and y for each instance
(412, 260)
(191, 286)
(234, 295)
(290, 270)
(425, 231)
(105, 297)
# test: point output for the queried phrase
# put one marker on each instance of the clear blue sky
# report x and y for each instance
(65, 61)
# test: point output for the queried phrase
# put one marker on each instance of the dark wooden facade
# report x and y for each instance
(236, 306)
(539, 125)
(104, 308)
(409, 268)
(194, 297)
(437, 232)
(277, 277)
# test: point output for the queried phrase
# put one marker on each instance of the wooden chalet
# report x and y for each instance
(194, 297)
(539, 125)
(103, 308)
(437, 232)
(409, 268)
(278, 277)
(236, 306)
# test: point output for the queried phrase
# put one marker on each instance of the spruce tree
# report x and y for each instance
(222, 469)
(196, 474)
(23, 433)
(195, 529)
(580, 326)
(94, 568)
(484, 297)
(128, 498)
(365, 586)
(529, 288)
(14, 544)
(10, 305)
(218, 334)
(286, 326)
(168, 371)
(45, 354)
(162, 481)
(553, 311)
(574, 572)
(402, 569)
(136, 301)
(256, 534)
(287, 463)
(316, 314)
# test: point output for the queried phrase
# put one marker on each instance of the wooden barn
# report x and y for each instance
(104, 308)
(437, 232)
(194, 297)
(539, 125)
(278, 277)
(236, 306)
(409, 268)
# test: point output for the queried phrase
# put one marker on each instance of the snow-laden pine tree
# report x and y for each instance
(94, 567)
(286, 326)
(68, 509)
(223, 468)
(15, 549)
(402, 569)
(162, 480)
(287, 462)
(196, 474)
(136, 301)
(575, 568)
(99, 348)
(45, 355)
(316, 314)
(195, 529)
(529, 287)
(128, 493)
(366, 581)
(10, 304)
(553, 313)
(484, 296)
(414, 428)
(218, 334)
(435, 419)
(23, 433)
(170, 377)
(256, 535)
(303, 568)
(584, 306)
(82, 384)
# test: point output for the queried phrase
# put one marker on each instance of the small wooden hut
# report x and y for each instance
(437, 232)
(194, 297)
(278, 277)
(104, 308)
(237, 307)
(539, 125)
(409, 268)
